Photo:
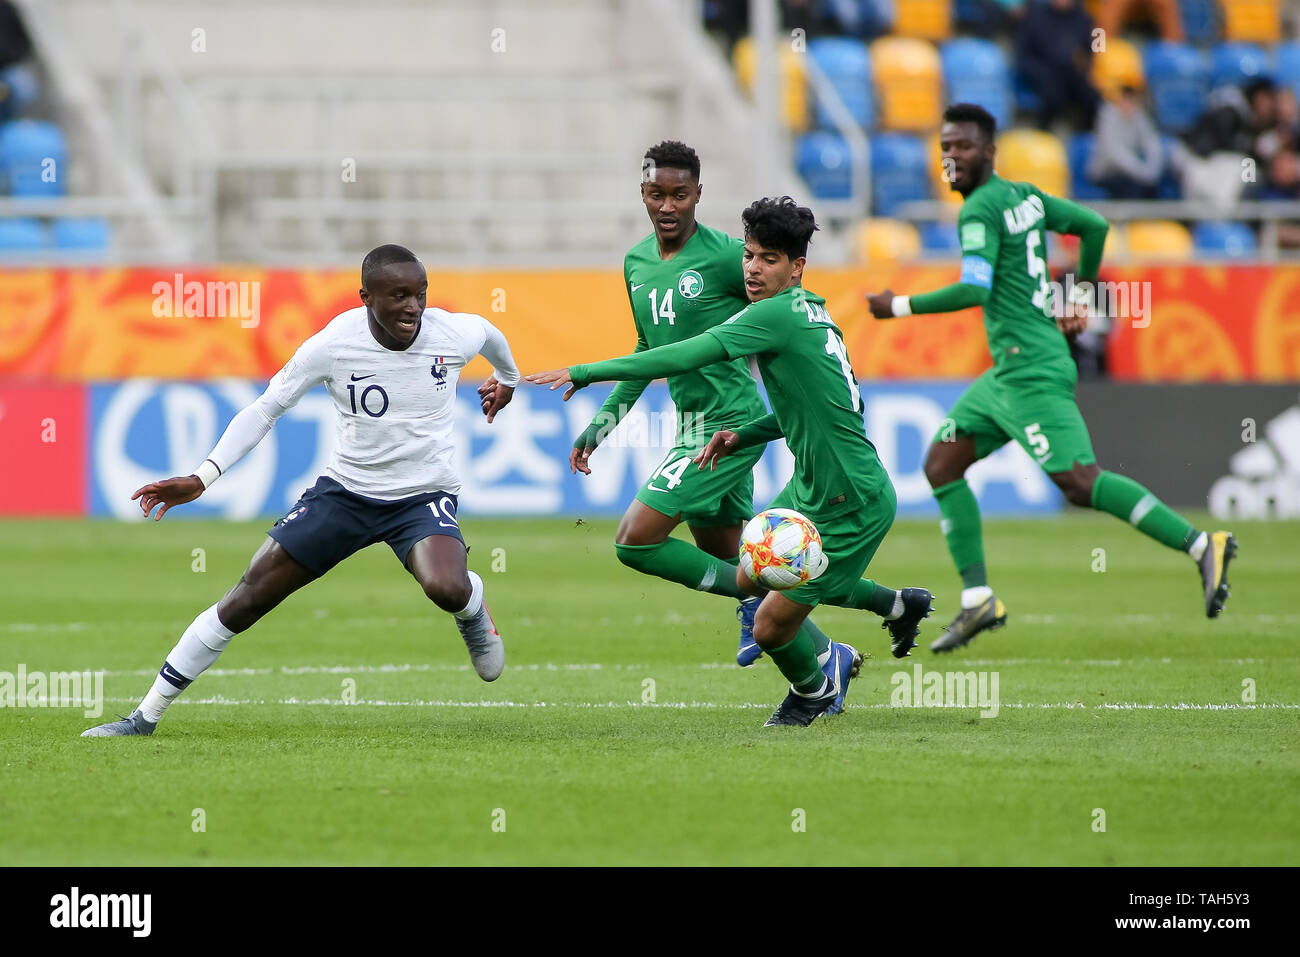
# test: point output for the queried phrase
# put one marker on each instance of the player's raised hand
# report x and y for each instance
(722, 443)
(168, 492)
(1073, 321)
(496, 398)
(554, 378)
(881, 304)
(578, 460)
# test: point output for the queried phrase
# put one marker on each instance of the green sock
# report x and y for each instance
(960, 524)
(797, 661)
(1124, 498)
(681, 562)
(868, 595)
(821, 641)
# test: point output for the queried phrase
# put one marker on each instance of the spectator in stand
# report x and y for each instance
(1240, 125)
(1054, 53)
(1126, 159)
(14, 42)
(994, 17)
(1114, 14)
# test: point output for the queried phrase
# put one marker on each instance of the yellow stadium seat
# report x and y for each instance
(909, 83)
(939, 185)
(1252, 21)
(1035, 157)
(1120, 64)
(929, 19)
(1158, 239)
(887, 240)
(794, 84)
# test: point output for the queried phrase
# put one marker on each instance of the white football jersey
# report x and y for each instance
(394, 410)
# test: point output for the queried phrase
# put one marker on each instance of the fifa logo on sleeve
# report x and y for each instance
(439, 371)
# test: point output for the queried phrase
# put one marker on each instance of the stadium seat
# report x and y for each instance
(824, 162)
(887, 240)
(1120, 64)
(1079, 149)
(1035, 157)
(928, 19)
(1027, 99)
(1287, 57)
(22, 234)
(1224, 240)
(1161, 239)
(898, 172)
(794, 84)
(1252, 21)
(848, 68)
(32, 155)
(940, 238)
(1179, 79)
(19, 89)
(1200, 20)
(908, 82)
(975, 71)
(82, 234)
(1232, 64)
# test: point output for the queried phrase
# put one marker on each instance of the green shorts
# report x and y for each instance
(849, 542)
(707, 498)
(1040, 414)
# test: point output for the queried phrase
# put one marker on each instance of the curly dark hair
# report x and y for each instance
(780, 224)
(671, 154)
(970, 113)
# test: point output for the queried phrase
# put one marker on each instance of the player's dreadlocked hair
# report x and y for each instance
(670, 154)
(780, 224)
(970, 113)
(382, 256)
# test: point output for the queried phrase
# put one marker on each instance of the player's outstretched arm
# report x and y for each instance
(669, 360)
(168, 492)
(1065, 216)
(950, 298)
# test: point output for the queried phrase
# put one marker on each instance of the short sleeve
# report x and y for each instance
(754, 329)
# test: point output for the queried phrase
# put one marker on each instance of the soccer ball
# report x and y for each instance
(780, 549)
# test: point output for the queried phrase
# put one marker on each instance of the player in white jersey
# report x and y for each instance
(391, 367)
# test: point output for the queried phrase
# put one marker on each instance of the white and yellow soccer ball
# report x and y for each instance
(781, 549)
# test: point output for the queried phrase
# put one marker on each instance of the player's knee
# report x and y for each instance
(940, 469)
(448, 595)
(635, 556)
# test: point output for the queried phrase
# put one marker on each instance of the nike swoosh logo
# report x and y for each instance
(358, 378)
(655, 488)
(637, 285)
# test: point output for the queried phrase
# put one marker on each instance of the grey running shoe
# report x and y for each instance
(135, 724)
(486, 650)
(970, 622)
(1220, 549)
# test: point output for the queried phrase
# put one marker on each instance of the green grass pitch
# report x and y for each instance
(1117, 698)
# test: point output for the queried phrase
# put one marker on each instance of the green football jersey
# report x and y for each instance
(814, 397)
(1002, 227)
(675, 299)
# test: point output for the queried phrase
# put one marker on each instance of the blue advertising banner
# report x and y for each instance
(143, 430)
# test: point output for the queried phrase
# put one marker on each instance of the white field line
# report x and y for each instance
(701, 705)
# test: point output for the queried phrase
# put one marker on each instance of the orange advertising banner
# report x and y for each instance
(1228, 323)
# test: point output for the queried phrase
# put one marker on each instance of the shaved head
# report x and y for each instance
(382, 256)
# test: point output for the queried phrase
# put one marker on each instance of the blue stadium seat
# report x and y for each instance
(21, 234)
(848, 67)
(1237, 63)
(32, 156)
(1200, 20)
(1288, 65)
(976, 71)
(1169, 187)
(939, 238)
(1079, 148)
(1178, 76)
(82, 234)
(1027, 98)
(1225, 240)
(859, 18)
(898, 172)
(19, 89)
(824, 162)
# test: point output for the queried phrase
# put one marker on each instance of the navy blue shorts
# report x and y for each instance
(329, 523)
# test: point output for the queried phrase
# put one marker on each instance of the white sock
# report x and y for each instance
(974, 597)
(825, 686)
(475, 598)
(201, 644)
(1197, 548)
(897, 610)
